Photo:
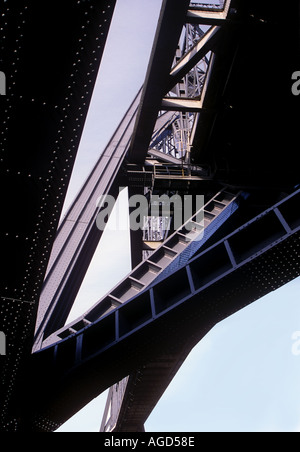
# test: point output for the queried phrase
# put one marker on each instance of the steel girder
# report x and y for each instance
(214, 284)
(78, 235)
(50, 53)
(173, 253)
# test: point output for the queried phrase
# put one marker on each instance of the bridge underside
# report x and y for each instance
(50, 54)
(245, 138)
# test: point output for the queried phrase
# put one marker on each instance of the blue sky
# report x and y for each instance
(243, 375)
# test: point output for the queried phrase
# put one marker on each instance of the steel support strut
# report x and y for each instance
(213, 285)
(78, 235)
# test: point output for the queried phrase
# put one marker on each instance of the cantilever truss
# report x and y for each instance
(184, 285)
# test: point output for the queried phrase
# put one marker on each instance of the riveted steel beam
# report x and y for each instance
(170, 24)
(187, 304)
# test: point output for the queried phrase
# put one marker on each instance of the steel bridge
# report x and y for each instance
(216, 117)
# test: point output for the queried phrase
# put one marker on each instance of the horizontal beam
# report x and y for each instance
(181, 104)
(198, 15)
(164, 157)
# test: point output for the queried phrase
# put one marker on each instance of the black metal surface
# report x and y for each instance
(246, 135)
(50, 53)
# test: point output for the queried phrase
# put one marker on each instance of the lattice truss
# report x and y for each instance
(188, 77)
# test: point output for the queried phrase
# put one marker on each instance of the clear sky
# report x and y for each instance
(244, 375)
